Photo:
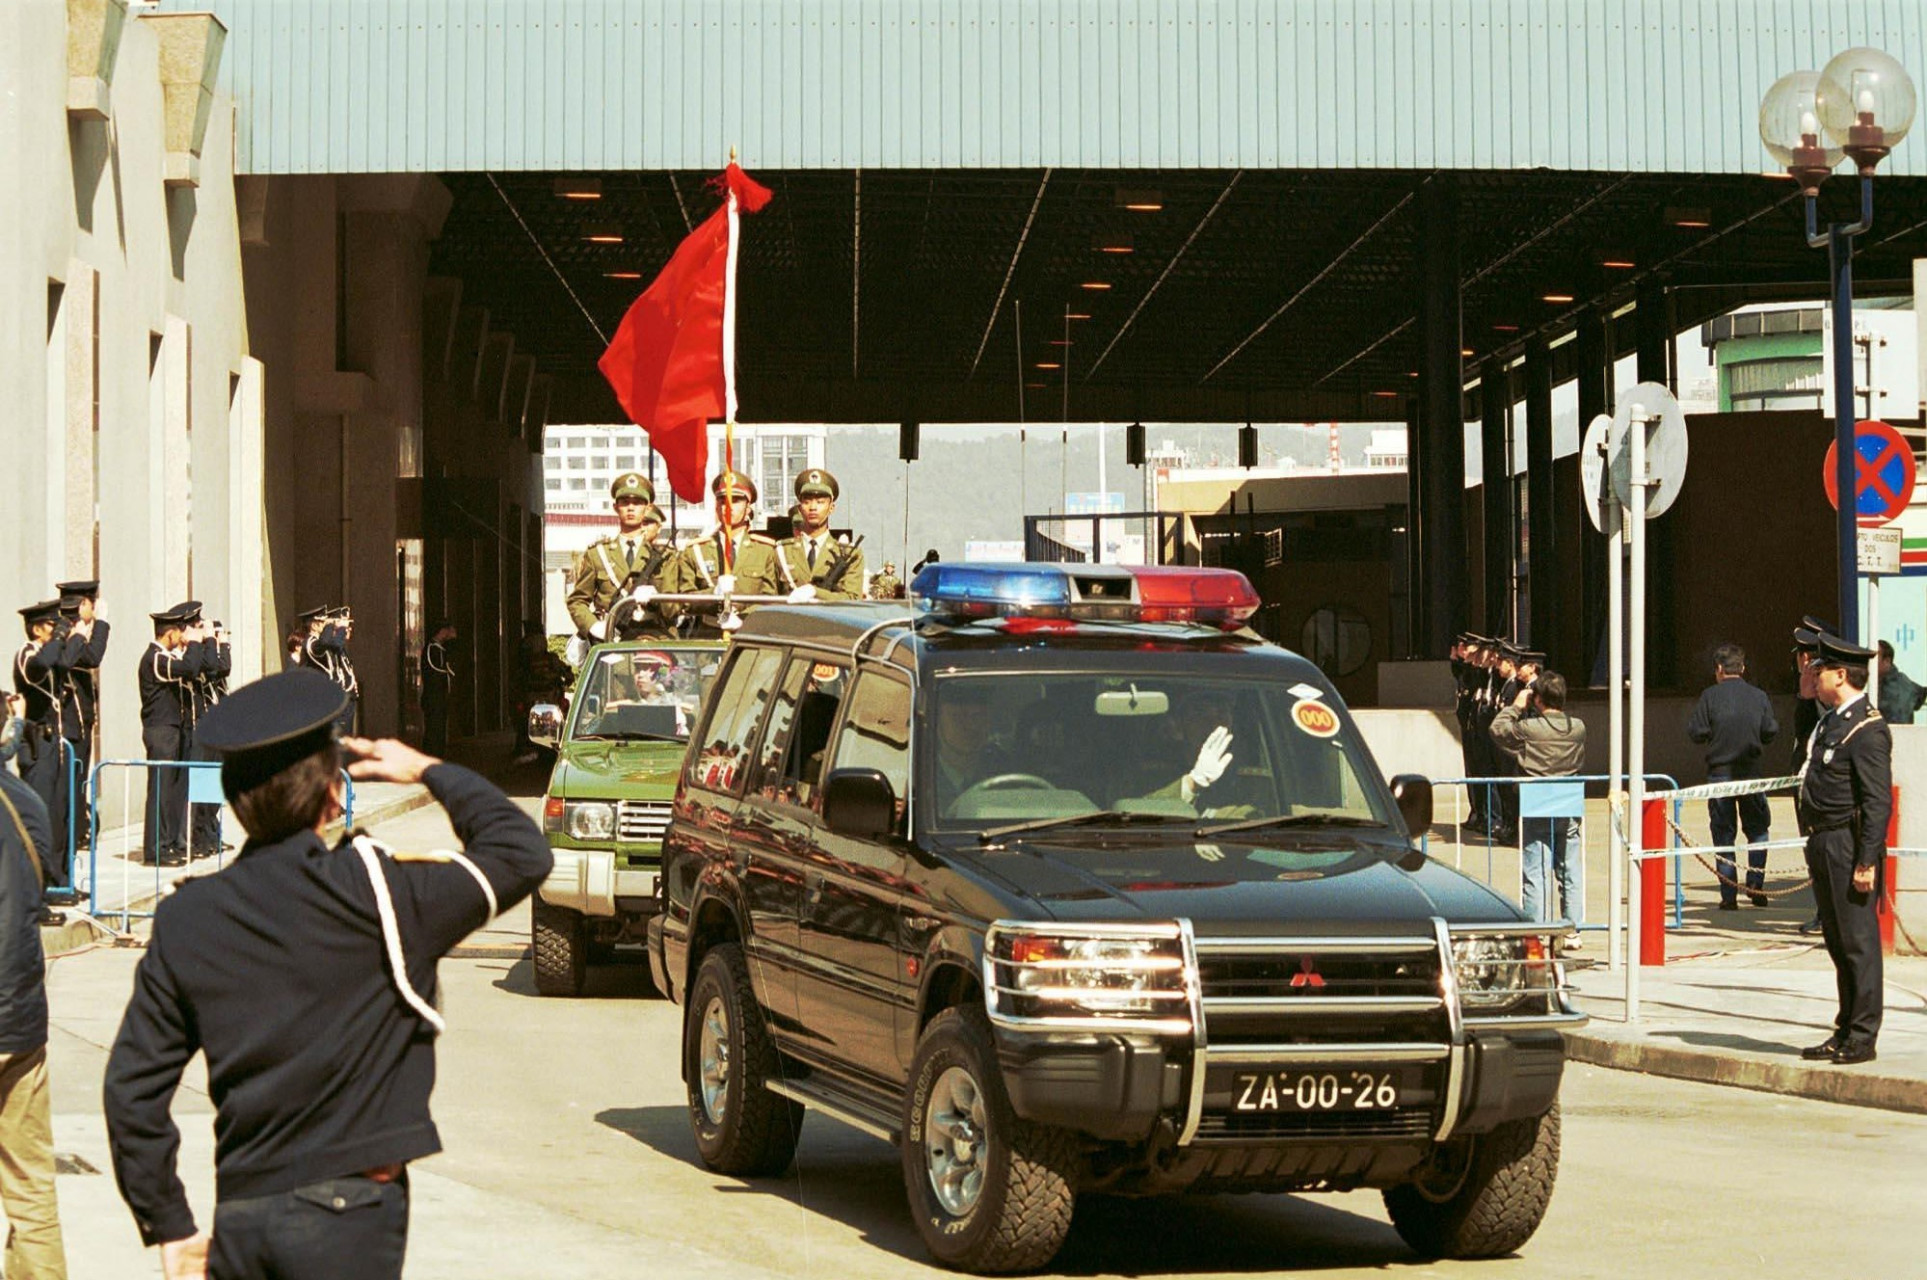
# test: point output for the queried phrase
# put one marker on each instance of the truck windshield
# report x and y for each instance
(1014, 747)
(631, 694)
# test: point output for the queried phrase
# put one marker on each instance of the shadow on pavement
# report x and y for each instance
(604, 982)
(1718, 1040)
(856, 1181)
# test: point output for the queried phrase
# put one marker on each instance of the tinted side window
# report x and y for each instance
(722, 761)
(792, 759)
(767, 784)
(876, 733)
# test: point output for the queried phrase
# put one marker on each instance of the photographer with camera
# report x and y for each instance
(1545, 742)
(167, 672)
(202, 691)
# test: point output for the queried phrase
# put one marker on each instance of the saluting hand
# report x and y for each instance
(385, 760)
(186, 1259)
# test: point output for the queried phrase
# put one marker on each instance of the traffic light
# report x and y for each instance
(907, 441)
(1134, 444)
(1247, 446)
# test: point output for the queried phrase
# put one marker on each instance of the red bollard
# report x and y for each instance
(1890, 886)
(1652, 885)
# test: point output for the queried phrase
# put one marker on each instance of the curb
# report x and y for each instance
(489, 951)
(73, 935)
(1852, 1086)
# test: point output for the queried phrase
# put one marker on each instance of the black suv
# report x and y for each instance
(1084, 902)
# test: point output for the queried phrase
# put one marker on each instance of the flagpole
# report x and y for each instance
(729, 353)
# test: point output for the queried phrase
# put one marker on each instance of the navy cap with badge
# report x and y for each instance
(270, 725)
(45, 611)
(1835, 652)
(72, 593)
(1806, 640)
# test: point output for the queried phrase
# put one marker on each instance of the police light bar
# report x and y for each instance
(1144, 593)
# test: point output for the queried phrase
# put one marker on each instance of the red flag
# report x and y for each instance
(665, 363)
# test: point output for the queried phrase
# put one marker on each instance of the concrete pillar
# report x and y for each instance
(1495, 490)
(1440, 438)
(1592, 350)
(1546, 583)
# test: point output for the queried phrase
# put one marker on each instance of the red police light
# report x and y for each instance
(1172, 593)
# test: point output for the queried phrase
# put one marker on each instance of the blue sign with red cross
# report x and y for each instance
(1883, 473)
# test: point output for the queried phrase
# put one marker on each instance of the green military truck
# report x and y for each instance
(619, 747)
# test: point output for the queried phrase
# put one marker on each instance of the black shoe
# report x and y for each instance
(1854, 1051)
(1729, 906)
(1822, 1052)
(48, 916)
(174, 858)
(1757, 899)
(1811, 927)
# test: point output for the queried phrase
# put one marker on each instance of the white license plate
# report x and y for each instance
(1337, 1089)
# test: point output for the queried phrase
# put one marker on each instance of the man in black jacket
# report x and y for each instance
(1733, 721)
(33, 1247)
(307, 977)
(80, 718)
(41, 671)
(167, 672)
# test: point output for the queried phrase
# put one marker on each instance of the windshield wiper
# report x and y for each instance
(992, 834)
(1288, 820)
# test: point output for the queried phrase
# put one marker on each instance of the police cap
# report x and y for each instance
(733, 480)
(1532, 656)
(1806, 640)
(265, 727)
(188, 611)
(818, 483)
(45, 611)
(1835, 652)
(72, 593)
(311, 615)
(632, 484)
(1816, 626)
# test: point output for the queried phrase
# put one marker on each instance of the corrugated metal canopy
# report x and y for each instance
(1642, 86)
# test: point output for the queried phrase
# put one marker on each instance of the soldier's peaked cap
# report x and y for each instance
(1806, 640)
(816, 482)
(87, 589)
(632, 484)
(45, 611)
(270, 725)
(187, 610)
(735, 480)
(309, 615)
(1532, 655)
(1835, 652)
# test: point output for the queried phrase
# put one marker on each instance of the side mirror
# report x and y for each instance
(859, 803)
(1414, 796)
(545, 724)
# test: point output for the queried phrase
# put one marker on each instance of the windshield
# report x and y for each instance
(1021, 747)
(633, 694)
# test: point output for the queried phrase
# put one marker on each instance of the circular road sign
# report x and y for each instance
(1594, 453)
(1883, 473)
(1665, 446)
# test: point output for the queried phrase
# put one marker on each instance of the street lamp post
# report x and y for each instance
(1861, 104)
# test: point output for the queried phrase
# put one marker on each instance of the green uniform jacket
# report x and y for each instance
(839, 568)
(600, 572)
(696, 567)
(886, 587)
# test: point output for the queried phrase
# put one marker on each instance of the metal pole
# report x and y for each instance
(1636, 709)
(1616, 724)
(1840, 260)
(1872, 639)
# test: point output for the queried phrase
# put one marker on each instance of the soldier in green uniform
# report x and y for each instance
(631, 560)
(730, 561)
(813, 563)
(886, 585)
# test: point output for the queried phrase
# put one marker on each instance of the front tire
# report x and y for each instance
(728, 1060)
(560, 946)
(989, 1192)
(1483, 1199)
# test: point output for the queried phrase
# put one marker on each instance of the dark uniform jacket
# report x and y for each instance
(276, 970)
(23, 982)
(210, 686)
(164, 679)
(437, 675)
(40, 676)
(1848, 780)
(80, 712)
(1733, 720)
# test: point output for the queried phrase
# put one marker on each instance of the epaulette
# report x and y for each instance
(761, 539)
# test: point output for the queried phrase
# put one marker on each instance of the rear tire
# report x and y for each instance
(728, 1061)
(989, 1192)
(560, 947)
(1488, 1202)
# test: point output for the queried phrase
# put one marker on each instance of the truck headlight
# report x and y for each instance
(592, 820)
(1495, 971)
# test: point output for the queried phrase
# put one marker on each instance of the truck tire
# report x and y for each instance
(560, 947)
(989, 1192)
(728, 1060)
(1486, 1202)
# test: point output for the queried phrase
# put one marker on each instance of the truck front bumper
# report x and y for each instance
(590, 881)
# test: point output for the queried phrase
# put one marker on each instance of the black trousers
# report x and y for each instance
(1851, 931)
(1725, 818)
(82, 750)
(340, 1229)
(435, 725)
(165, 809)
(43, 766)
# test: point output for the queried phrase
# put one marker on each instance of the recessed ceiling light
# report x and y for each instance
(1060, 342)
(1077, 315)
(1506, 328)
(1619, 264)
(1113, 243)
(602, 233)
(1095, 285)
(623, 275)
(579, 188)
(1139, 200)
(1467, 351)
(1692, 216)
(1049, 364)
(1556, 297)
(1386, 395)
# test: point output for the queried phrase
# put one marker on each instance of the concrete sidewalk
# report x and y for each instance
(1740, 1016)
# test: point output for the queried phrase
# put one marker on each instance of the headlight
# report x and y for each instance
(592, 820)
(1497, 971)
(1091, 975)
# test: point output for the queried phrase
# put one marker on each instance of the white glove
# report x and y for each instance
(601, 629)
(730, 621)
(1214, 757)
(643, 594)
(805, 592)
(725, 584)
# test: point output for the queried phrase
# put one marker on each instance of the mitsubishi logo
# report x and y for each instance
(1306, 975)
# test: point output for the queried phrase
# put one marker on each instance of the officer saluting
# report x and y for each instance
(1846, 799)
(732, 560)
(40, 676)
(80, 717)
(887, 585)
(632, 559)
(307, 976)
(814, 563)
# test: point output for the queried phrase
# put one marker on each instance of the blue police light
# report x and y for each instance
(991, 590)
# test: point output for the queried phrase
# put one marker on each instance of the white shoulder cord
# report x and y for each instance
(371, 852)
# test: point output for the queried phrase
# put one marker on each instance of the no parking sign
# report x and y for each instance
(1883, 473)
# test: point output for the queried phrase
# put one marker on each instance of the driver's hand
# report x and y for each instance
(805, 592)
(726, 584)
(1214, 757)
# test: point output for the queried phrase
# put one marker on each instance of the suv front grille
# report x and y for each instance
(641, 821)
(1317, 990)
